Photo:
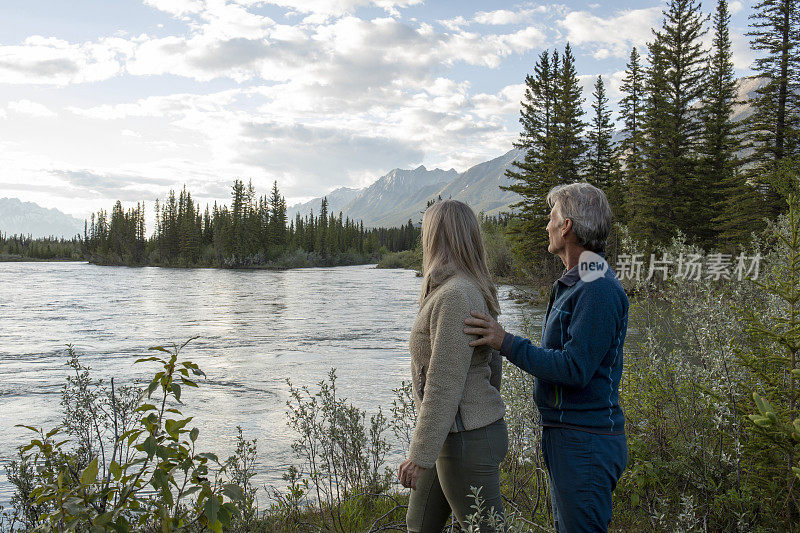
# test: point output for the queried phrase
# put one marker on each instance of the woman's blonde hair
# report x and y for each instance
(451, 238)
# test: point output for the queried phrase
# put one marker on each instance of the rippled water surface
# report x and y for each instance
(255, 328)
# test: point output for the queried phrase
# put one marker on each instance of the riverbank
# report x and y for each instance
(288, 260)
(25, 259)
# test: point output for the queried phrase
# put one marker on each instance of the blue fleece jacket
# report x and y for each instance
(579, 365)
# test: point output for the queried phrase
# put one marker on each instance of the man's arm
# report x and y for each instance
(496, 369)
(594, 322)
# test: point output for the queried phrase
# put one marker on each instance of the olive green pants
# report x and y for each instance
(468, 459)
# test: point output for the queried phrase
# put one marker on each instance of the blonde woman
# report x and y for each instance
(460, 437)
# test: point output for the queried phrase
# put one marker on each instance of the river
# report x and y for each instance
(255, 328)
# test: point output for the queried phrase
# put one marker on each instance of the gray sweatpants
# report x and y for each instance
(468, 458)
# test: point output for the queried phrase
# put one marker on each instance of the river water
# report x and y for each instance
(255, 328)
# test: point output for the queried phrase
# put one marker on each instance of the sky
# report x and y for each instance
(126, 99)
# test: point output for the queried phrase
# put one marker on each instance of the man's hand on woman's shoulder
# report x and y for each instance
(491, 333)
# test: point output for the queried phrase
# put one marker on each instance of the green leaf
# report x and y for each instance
(761, 421)
(115, 470)
(104, 518)
(211, 509)
(146, 407)
(149, 446)
(209, 456)
(176, 390)
(27, 427)
(189, 382)
(191, 490)
(233, 491)
(89, 474)
(121, 525)
(194, 433)
(173, 427)
(224, 516)
(796, 471)
(159, 348)
(145, 359)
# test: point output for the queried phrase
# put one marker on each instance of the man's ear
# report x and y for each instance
(566, 226)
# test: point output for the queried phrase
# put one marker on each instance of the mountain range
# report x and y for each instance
(402, 195)
(26, 218)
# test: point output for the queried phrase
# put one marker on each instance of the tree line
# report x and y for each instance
(254, 230)
(683, 164)
(27, 247)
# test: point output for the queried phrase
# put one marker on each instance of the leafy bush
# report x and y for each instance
(342, 452)
(146, 477)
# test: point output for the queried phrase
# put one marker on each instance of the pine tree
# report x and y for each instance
(670, 194)
(568, 120)
(775, 123)
(732, 204)
(277, 217)
(535, 175)
(322, 228)
(601, 161)
(632, 115)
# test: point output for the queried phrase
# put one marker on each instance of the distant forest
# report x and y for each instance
(252, 232)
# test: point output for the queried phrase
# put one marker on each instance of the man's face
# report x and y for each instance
(554, 231)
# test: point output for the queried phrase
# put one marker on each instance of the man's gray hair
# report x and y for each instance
(587, 207)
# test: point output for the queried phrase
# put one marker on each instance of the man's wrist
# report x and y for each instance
(505, 347)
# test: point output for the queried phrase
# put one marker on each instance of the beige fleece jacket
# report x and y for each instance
(448, 374)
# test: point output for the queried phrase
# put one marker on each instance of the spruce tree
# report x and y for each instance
(601, 160)
(277, 217)
(732, 202)
(568, 120)
(632, 115)
(775, 122)
(238, 212)
(535, 174)
(670, 195)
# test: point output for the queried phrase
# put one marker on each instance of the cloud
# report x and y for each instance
(454, 24)
(177, 7)
(360, 54)
(32, 109)
(329, 8)
(743, 54)
(113, 186)
(50, 61)
(611, 36)
(503, 17)
(735, 7)
(299, 152)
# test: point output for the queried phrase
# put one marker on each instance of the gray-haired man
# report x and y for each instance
(579, 364)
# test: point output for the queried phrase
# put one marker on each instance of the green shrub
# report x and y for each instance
(147, 477)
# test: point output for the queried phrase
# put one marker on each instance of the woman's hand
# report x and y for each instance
(409, 473)
(490, 331)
